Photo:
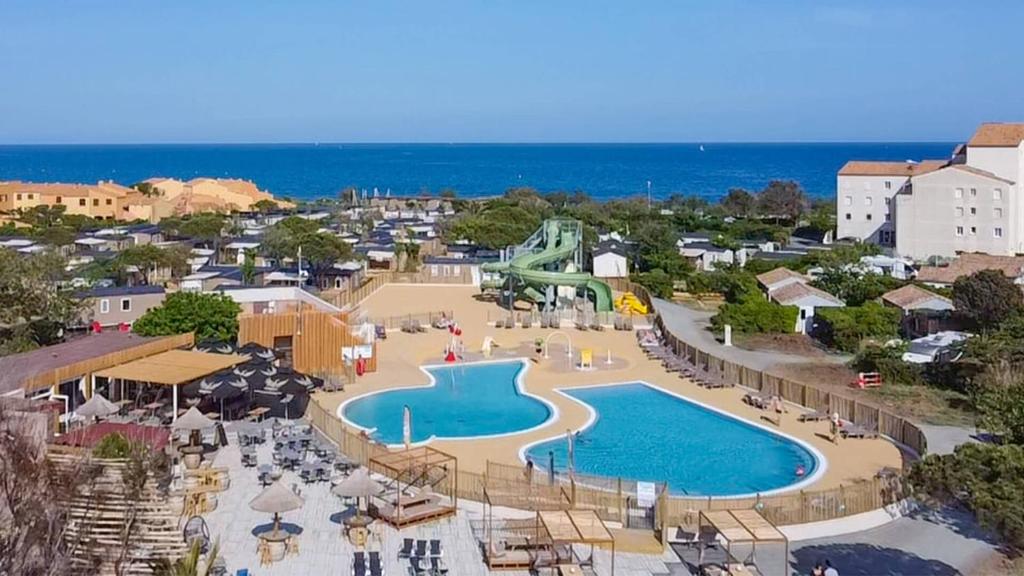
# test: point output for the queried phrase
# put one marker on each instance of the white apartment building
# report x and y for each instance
(865, 195)
(971, 203)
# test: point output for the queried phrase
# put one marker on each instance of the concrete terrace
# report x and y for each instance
(323, 549)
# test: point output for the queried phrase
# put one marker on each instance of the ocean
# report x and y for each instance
(310, 171)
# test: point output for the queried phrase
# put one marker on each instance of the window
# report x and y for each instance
(974, 230)
(867, 200)
(95, 201)
(888, 201)
(974, 192)
(109, 201)
(58, 200)
(997, 232)
(456, 270)
(959, 211)
(803, 314)
(958, 193)
(849, 216)
(19, 196)
(81, 201)
(337, 283)
(997, 194)
(433, 269)
(888, 185)
(974, 211)
(868, 217)
(997, 212)
(848, 201)
(104, 306)
(959, 230)
(126, 304)
(31, 196)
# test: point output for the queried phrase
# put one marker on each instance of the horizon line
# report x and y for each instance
(485, 143)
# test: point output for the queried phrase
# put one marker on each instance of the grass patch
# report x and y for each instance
(929, 405)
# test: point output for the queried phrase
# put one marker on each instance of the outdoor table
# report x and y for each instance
(153, 405)
(569, 570)
(356, 529)
(256, 414)
(291, 455)
(137, 413)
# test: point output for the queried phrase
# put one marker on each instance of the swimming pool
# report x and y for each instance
(461, 401)
(640, 432)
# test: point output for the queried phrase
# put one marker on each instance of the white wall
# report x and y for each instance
(610, 265)
(933, 221)
(858, 197)
(1003, 162)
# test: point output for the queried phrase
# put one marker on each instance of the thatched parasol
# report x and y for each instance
(276, 499)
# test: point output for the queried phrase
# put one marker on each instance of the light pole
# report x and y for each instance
(648, 194)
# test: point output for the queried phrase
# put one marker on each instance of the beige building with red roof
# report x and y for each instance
(969, 203)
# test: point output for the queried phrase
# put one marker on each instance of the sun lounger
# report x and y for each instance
(816, 416)
(756, 400)
(435, 549)
(857, 431)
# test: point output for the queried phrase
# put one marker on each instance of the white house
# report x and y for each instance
(789, 288)
(610, 260)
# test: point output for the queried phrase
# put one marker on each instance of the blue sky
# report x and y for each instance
(506, 71)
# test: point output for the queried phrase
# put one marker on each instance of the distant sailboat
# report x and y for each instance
(701, 147)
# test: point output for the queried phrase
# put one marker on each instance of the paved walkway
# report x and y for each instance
(692, 326)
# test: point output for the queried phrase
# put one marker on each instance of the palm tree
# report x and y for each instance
(188, 565)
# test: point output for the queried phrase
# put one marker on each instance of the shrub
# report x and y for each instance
(845, 328)
(987, 479)
(657, 281)
(754, 314)
(987, 298)
(113, 445)
(888, 362)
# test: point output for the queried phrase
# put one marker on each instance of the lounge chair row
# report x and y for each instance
(367, 563)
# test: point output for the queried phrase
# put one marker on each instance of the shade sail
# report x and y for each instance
(276, 499)
(98, 407)
(173, 367)
(358, 485)
(192, 420)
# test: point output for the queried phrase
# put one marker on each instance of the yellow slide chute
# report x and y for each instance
(628, 302)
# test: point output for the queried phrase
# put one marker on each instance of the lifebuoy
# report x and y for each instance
(360, 367)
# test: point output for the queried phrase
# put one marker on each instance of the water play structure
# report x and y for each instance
(549, 259)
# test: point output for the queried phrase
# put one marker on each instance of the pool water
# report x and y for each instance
(643, 433)
(470, 400)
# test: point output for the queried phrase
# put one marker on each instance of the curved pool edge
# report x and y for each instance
(554, 414)
(819, 470)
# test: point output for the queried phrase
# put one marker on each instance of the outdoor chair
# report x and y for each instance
(437, 566)
(421, 549)
(435, 549)
(376, 569)
(406, 550)
(359, 564)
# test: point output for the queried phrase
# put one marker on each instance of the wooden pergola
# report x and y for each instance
(568, 527)
(172, 368)
(742, 527)
(423, 470)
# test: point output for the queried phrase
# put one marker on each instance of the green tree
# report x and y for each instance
(657, 281)
(986, 298)
(656, 249)
(854, 287)
(57, 235)
(322, 250)
(845, 328)
(888, 362)
(248, 267)
(739, 203)
(210, 316)
(498, 225)
(43, 216)
(145, 257)
(34, 310)
(782, 199)
(986, 479)
(264, 206)
(998, 395)
(755, 314)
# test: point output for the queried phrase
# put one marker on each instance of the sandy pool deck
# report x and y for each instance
(401, 355)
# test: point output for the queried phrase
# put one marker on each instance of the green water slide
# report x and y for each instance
(528, 272)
